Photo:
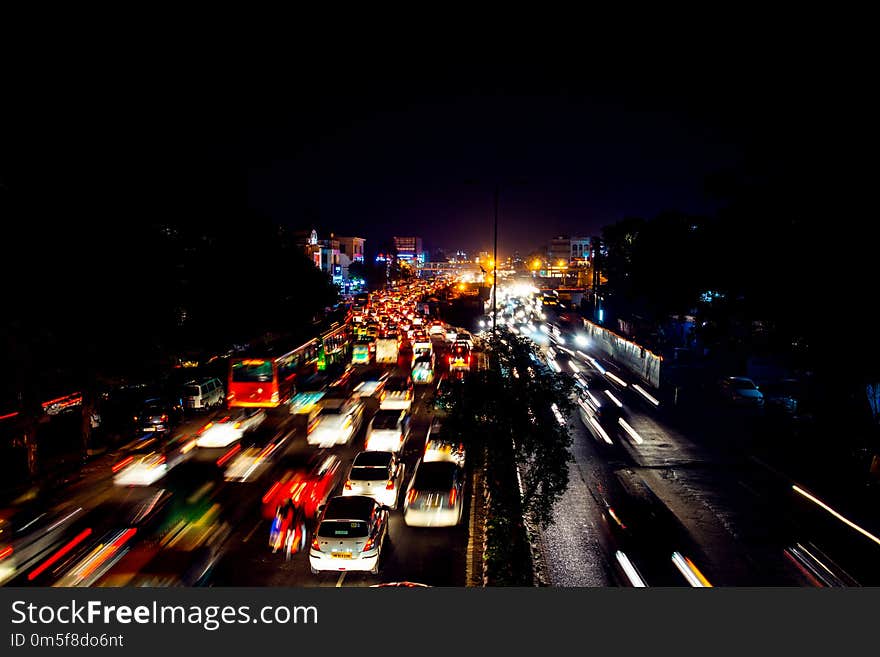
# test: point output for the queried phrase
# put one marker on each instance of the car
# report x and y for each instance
(423, 369)
(440, 447)
(437, 328)
(147, 461)
(308, 479)
(601, 416)
(204, 393)
(339, 421)
(159, 415)
(741, 391)
(229, 429)
(459, 357)
(388, 430)
(376, 474)
(371, 386)
(351, 533)
(451, 334)
(152, 565)
(398, 393)
(435, 496)
(466, 338)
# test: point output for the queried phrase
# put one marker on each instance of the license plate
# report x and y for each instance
(342, 555)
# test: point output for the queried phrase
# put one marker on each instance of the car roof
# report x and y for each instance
(353, 507)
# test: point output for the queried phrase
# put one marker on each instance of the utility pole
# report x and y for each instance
(495, 264)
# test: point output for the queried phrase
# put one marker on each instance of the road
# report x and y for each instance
(430, 556)
(664, 486)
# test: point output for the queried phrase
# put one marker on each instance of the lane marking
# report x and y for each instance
(251, 532)
(339, 581)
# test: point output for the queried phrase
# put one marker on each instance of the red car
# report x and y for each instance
(307, 482)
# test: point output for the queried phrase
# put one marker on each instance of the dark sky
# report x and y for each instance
(572, 154)
(405, 142)
(397, 149)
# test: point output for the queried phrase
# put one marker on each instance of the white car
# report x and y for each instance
(144, 470)
(435, 495)
(376, 474)
(370, 387)
(440, 449)
(248, 464)
(387, 431)
(223, 433)
(338, 422)
(148, 462)
(398, 393)
(437, 329)
(464, 336)
(451, 334)
(350, 535)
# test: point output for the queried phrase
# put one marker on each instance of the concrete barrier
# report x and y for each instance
(637, 360)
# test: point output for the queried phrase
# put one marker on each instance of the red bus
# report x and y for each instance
(269, 382)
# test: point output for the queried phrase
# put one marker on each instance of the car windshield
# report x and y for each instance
(435, 476)
(342, 529)
(743, 385)
(367, 459)
(372, 473)
(386, 420)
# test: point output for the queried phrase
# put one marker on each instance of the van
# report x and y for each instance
(204, 393)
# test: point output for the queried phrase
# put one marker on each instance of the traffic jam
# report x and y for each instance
(308, 462)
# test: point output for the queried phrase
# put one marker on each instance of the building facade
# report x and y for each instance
(410, 249)
(352, 247)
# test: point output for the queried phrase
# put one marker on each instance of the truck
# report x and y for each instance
(386, 350)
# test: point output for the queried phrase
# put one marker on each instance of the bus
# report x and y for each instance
(333, 345)
(268, 382)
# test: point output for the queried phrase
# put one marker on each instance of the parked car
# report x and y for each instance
(741, 391)
(204, 393)
(159, 415)
(350, 536)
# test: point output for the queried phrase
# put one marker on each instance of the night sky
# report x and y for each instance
(394, 144)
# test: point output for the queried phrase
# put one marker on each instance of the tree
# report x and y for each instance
(505, 416)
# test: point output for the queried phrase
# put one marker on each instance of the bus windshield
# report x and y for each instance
(252, 371)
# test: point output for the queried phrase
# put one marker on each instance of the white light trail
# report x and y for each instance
(601, 431)
(614, 399)
(632, 432)
(691, 573)
(834, 513)
(616, 379)
(574, 368)
(644, 394)
(630, 570)
(558, 415)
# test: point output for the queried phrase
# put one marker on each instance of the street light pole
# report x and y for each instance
(495, 264)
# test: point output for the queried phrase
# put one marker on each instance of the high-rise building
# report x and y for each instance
(410, 249)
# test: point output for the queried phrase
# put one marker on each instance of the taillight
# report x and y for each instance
(389, 485)
(164, 418)
(348, 484)
(452, 496)
(412, 496)
(316, 545)
(369, 545)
